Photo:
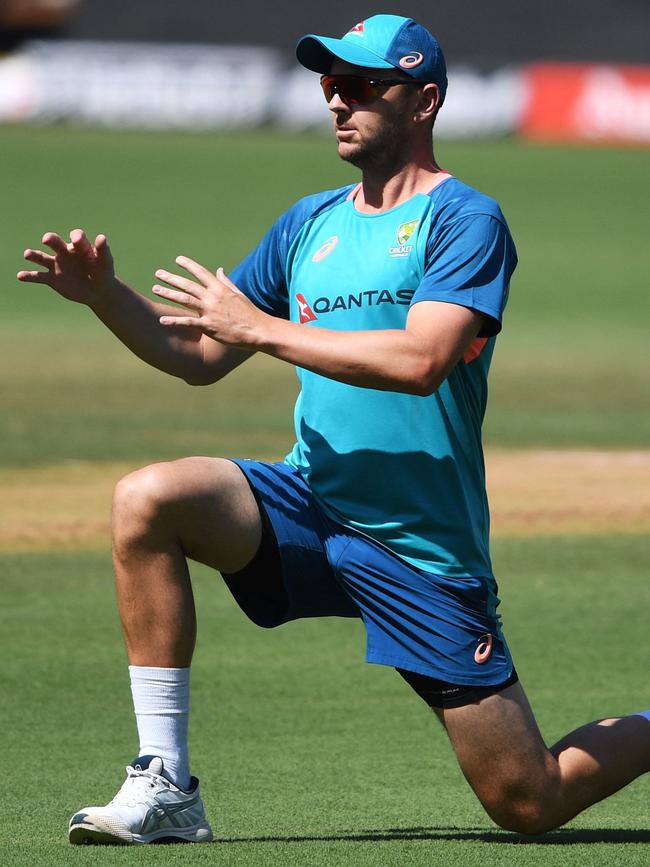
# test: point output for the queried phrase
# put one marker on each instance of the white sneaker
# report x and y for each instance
(147, 809)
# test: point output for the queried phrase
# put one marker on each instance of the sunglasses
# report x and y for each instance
(356, 90)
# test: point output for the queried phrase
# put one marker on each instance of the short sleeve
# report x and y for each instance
(261, 276)
(469, 262)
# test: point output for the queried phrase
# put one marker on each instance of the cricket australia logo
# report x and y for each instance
(404, 234)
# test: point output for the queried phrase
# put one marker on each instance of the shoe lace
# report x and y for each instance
(139, 785)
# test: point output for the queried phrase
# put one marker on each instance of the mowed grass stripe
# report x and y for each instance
(570, 368)
(307, 755)
(66, 506)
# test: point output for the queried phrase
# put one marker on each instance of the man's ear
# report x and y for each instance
(428, 103)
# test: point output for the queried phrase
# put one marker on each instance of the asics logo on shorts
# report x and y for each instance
(484, 650)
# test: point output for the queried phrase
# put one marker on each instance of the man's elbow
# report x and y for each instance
(426, 380)
(424, 388)
(201, 376)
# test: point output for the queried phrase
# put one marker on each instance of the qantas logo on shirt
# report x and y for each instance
(358, 28)
(304, 310)
(351, 301)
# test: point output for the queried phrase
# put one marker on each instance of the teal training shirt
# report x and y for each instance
(403, 469)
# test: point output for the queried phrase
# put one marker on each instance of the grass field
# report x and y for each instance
(307, 755)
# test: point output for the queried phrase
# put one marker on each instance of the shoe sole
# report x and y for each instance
(89, 835)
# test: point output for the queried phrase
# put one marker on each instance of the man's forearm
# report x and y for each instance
(134, 320)
(388, 360)
(414, 360)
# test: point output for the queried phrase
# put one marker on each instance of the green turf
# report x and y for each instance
(570, 369)
(307, 754)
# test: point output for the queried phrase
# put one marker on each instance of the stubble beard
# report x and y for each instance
(383, 153)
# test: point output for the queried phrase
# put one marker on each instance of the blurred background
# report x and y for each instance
(569, 71)
(192, 128)
(187, 128)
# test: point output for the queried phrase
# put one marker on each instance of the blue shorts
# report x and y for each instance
(444, 628)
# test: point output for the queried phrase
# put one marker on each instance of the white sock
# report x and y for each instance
(644, 713)
(161, 700)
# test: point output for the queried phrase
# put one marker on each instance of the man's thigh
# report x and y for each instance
(291, 576)
(204, 503)
(500, 749)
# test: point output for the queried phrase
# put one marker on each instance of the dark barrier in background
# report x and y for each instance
(576, 70)
(486, 34)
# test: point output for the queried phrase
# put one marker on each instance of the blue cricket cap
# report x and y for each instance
(380, 42)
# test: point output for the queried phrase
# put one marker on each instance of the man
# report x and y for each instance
(387, 296)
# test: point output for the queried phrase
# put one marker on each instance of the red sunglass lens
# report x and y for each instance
(352, 89)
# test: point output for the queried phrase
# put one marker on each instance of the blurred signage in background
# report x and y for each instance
(202, 87)
(587, 103)
(138, 85)
(199, 87)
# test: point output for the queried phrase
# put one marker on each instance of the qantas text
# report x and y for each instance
(369, 298)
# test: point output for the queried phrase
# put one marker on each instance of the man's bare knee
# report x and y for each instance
(503, 757)
(521, 814)
(138, 501)
(204, 505)
(523, 798)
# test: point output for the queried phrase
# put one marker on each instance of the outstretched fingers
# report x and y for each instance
(185, 292)
(34, 276)
(103, 253)
(183, 321)
(79, 241)
(225, 279)
(78, 269)
(38, 257)
(202, 274)
(55, 242)
(183, 284)
(177, 297)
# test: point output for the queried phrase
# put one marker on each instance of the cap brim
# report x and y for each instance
(318, 53)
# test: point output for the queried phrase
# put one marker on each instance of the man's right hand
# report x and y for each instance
(79, 271)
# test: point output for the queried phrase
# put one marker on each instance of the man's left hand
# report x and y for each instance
(218, 308)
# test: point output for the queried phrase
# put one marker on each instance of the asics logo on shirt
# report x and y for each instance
(326, 249)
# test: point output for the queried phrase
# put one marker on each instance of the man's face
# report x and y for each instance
(376, 134)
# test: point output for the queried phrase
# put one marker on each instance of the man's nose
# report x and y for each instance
(336, 104)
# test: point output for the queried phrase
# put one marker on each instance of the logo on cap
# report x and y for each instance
(411, 60)
(358, 28)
